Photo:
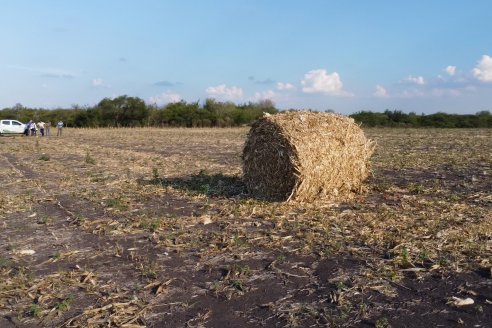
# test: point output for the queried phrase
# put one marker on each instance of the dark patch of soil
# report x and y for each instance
(462, 181)
(428, 302)
(332, 268)
(171, 206)
(77, 208)
(466, 184)
(26, 171)
(216, 185)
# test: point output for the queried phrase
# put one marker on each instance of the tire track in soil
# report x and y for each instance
(20, 168)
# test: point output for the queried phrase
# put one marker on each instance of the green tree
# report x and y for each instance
(123, 111)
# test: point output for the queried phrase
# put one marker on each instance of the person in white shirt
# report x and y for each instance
(59, 128)
(41, 128)
(34, 128)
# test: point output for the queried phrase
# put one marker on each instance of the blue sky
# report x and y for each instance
(422, 56)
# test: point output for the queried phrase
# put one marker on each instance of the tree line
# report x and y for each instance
(125, 111)
(396, 118)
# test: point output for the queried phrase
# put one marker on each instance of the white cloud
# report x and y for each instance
(440, 92)
(416, 79)
(224, 92)
(319, 81)
(269, 94)
(165, 98)
(99, 83)
(47, 72)
(412, 94)
(483, 70)
(451, 70)
(285, 86)
(380, 92)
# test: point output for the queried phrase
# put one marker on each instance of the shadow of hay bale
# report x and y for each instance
(210, 185)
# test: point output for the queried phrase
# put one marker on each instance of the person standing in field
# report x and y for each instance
(27, 128)
(47, 127)
(33, 129)
(59, 128)
(41, 128)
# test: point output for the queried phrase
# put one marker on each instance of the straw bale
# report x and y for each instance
(305, 156)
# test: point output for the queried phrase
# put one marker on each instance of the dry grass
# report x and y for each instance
(151, 227)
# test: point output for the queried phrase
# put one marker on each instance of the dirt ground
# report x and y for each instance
(154, 228)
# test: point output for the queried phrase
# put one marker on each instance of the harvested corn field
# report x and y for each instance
(154, 228)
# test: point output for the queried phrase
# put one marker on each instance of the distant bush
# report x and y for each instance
(396, 118)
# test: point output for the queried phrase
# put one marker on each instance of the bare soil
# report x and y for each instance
(154, 228)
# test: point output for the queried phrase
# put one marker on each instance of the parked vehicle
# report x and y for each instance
(11, 127)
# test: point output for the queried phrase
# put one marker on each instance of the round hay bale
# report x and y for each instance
(305, 156)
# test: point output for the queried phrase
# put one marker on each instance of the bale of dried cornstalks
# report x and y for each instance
(305, 156)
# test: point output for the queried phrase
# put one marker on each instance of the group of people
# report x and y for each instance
(44, 128)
